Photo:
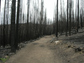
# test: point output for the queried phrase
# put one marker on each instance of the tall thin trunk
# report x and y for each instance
(28, 7)
(1, 24)
(67, 20)
(61, 29)
(7, 19)
(70, 19)
(34, 27)
(4, 42)
(81, 21)
(0, 5)
(57, 21)
(41, 14)
(13, 26)
(17, 23)
(78, 17)
(45, 24)
(73, 21)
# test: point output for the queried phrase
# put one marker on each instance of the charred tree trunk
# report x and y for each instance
(4, 42)
(57, 21)
(67, 20)
(41, 14)
(70, 19)
(28, 19)
(45, 24)
(78, 17)
(0, 5)
(7, 21)
(81, 21)
(13, 26)
(17, 23)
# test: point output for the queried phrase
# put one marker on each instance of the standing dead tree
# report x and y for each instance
(78, 17)
(41, 20)
(67, 20)
(70, 17)
(0, 5)
(13, 26)
(28, 7)
(17, 23)
(57, 21)
(4, 42)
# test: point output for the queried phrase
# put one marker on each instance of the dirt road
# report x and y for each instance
(42, 51)
(35, 52)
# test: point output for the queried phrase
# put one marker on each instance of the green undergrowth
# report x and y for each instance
(4, 59)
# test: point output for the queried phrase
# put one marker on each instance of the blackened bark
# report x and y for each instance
(67, 20)
(78, 17)
(0, 5)
(7, 16)
(81, 21)
(70, 19)
(57, 21)
(41, 14)
(28, 7)
(17, 23)
(4, 42)
(13, 26)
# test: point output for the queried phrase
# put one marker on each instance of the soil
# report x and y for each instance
(66, 50)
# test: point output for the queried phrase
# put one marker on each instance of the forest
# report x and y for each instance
(17, 27)
(42, 31)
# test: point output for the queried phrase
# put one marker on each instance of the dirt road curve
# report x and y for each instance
(35, 52)
(42, 51)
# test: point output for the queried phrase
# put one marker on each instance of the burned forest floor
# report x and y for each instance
(49, 49)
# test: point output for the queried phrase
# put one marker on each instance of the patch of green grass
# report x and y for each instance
(4, 59)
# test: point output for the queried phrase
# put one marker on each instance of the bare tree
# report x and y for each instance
(81, 18)
(7, 20)
(28, 7)
(41, 14)
(78, 17)
(70, 17)
(45, 20)
(67, 19)
(17, 23)
(61, 23)
(0, 5)
(57, 21)
(4, 42)
(13, 26)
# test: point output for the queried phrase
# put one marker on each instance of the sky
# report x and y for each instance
(49, 5)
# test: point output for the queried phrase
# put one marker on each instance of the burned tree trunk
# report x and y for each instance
(17, 23)
(57, 21)
(67, 20)
(0, 5)
(41, 14)
(28, 18)
(78, 17)
(13, 26)
(70, 18)
(4, 42)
